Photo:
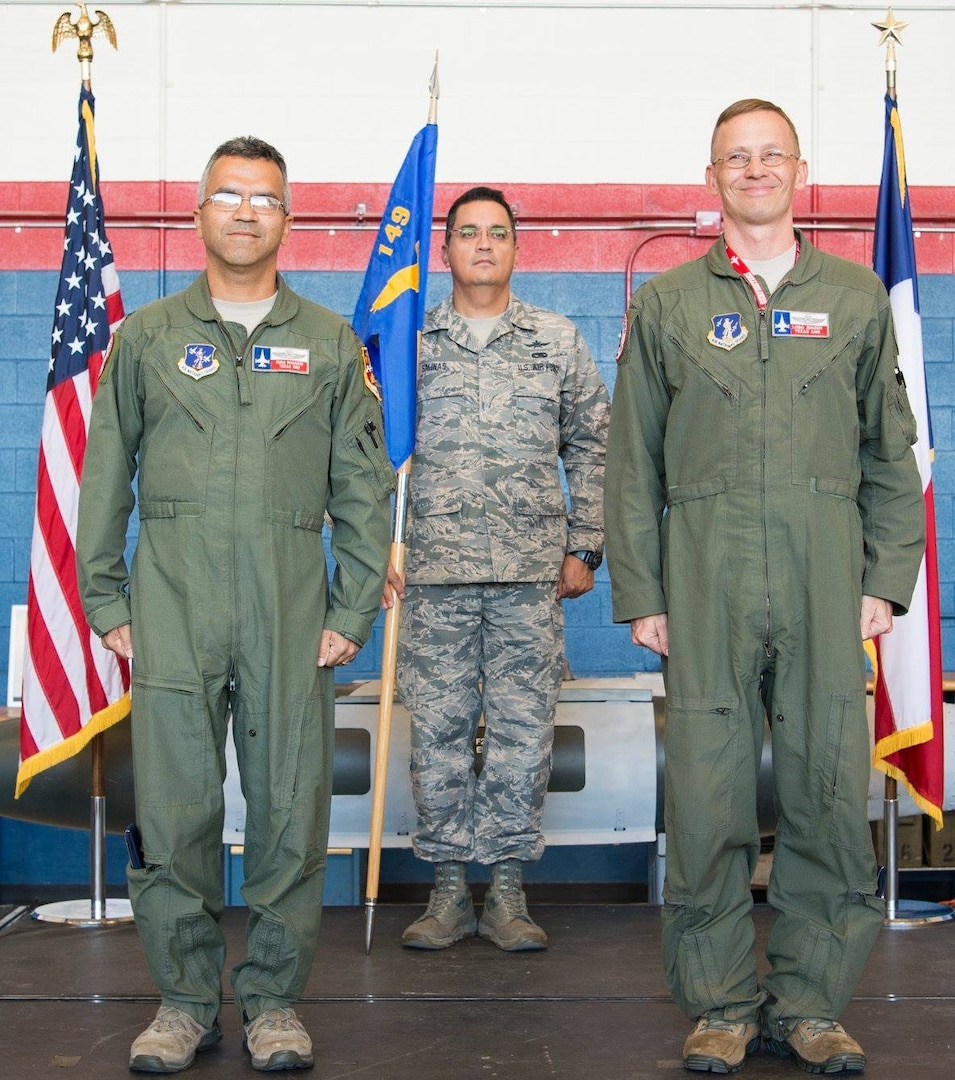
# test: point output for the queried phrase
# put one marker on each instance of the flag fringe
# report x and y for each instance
(905, 740)
(54, 755)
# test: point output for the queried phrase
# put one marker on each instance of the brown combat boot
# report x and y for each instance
(505, 920)
(450, 912)
(720, 1046)
(171, 1042)
(818, 1045)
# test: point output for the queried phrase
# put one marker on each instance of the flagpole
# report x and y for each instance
(389, 654)
(899, 914)
(97, 910)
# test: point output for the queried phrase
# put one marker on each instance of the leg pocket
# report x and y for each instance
(174, 747)
(707, 753)
(821, 767)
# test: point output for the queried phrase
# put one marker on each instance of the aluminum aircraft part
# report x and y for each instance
(606, 786)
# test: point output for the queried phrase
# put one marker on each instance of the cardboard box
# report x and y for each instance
(940, 843)
(909, 840)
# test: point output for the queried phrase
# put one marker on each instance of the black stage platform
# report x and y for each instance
(592, 1007)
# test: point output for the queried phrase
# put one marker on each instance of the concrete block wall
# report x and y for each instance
(595, 301)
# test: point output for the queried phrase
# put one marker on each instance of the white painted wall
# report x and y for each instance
(535, 91)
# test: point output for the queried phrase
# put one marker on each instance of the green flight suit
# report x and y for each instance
(760, 481)
(241, 446)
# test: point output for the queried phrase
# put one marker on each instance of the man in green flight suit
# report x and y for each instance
(248, 415)
(764, 516)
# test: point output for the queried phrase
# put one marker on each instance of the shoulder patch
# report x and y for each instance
(198, 360)
(367, 374)
(622, 342)
(728, 330)
(107, 353)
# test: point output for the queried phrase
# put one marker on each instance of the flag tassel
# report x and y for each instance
(60, 752)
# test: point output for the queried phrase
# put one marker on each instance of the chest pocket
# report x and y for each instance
(536, 410)
(435, 488)
(825, 419)
(702, 439)
(297, 494)
(440, 395)
(176, 453)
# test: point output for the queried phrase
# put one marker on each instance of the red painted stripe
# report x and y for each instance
(72, 423)
(50, 677)
(333, 207)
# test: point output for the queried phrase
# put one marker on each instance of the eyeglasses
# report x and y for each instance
(232, 200)
(497, 233)
(770, 158)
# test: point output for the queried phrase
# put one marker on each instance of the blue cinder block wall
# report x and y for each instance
(595, 646)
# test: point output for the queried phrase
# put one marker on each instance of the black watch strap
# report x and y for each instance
(592, 559)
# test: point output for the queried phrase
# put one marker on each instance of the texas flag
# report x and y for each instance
(908, 694)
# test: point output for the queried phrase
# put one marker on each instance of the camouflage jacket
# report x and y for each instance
(486, 501)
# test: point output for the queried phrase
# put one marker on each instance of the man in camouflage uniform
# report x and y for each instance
(505, 390)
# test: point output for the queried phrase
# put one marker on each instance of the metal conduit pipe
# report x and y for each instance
(358, 221)
(705, 225)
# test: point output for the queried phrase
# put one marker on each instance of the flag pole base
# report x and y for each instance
(370, 906)
(912, 914)
(81, 913)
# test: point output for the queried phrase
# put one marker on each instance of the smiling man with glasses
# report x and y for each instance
(764, 517)
(506, 391)
(247, 414)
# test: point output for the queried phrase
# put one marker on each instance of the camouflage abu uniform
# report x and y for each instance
(488, 530)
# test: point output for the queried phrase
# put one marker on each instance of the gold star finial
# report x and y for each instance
(890, 28)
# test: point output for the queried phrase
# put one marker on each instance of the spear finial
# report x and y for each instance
(435, 92)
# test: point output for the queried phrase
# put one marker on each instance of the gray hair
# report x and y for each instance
(252, 149)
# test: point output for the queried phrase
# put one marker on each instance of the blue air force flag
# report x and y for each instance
(390, 309)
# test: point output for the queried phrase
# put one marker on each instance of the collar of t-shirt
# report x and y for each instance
(481, 329)
(248, 314)
(772, 271)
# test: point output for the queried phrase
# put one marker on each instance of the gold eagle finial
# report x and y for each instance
(84, 29)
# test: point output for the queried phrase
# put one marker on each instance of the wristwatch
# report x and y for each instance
(591, 558)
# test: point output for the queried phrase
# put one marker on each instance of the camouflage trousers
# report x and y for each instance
(464, 650)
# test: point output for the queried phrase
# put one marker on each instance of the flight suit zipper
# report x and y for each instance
(762, 303)
(245, 399)
(763, 343)
(721, 385)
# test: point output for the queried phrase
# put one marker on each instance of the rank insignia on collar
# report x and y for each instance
(728, 331)
(199, 361)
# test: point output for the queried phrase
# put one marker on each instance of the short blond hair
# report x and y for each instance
(749, 105)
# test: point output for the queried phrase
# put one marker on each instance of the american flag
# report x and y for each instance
(73, 688)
